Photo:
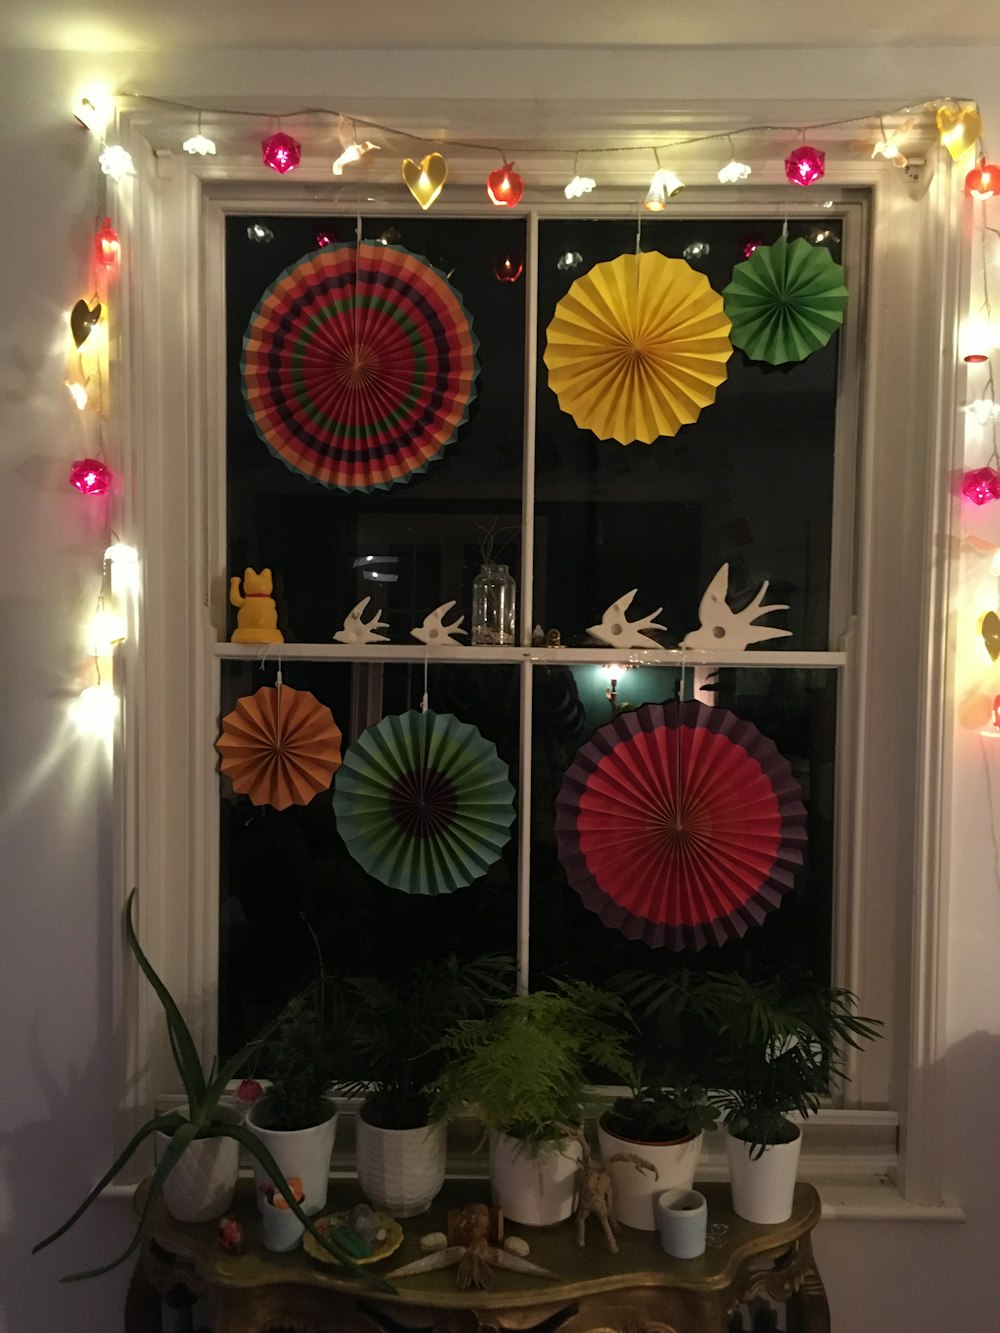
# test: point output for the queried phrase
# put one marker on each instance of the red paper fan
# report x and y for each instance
(279, 746)
(680, 824)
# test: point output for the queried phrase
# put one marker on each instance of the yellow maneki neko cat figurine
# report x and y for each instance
(257, 616)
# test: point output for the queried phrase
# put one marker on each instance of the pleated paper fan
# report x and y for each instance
(279, 746)
(637, 347)
(359, 366)
(786, 301)
(423, 802)
(680, 825)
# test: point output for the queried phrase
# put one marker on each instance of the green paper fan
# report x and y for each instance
(423, 802)
(786, 301)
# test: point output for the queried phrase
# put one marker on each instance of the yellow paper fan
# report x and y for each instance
(637, 347)
(279, 746)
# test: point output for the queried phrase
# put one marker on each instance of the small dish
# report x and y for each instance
(392, 1242)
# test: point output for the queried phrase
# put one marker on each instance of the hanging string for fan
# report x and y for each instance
(262, 660)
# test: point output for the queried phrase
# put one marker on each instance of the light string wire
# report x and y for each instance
(987, 309)
(442, 141)
(99, 287)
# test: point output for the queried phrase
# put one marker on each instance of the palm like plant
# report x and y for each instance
(392, 1033)
(204, 1093)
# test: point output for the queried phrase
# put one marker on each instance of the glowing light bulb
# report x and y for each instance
(504, 186)
(696, 250)
(281, 152)
(578, 186)
(805, 165)
(569, 260)
(90, 476)
(108, 245)
(982, 181)
(823, 236)
(325, 238)
(508, 267)
(94, 107)
(661, 187)
(976, 340)
(259, 233)
(734, 172)
(83, 320)
(95, 710)
(116, 162)
(354, 152)
(199, 145)
(984, 410)
(78, 392)
(981, 486)
(107, 628)
(959, 128)
(750, 244)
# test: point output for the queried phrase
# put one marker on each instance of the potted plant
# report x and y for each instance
(190, 1136)
(663, 1120)
(392, 1035)
(524, 1070)
(781, 1043)
(295, 1118)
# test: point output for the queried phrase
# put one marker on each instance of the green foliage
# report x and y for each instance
(777, 1043)
(204, 1093)
(523, 1068)
(301, 1069)
(392, 1033)
(662, 1110)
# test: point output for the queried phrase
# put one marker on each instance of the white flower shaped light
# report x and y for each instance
(116, 162)
(578, 186)
(734, 172)
(200, 144)
(984, 410)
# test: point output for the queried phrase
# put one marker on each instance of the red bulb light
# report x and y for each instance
(90, 476)
(750, 244)
(805, 165)
(982, 181)
(324, 238)
(281, 152)
(981, 486)
(108, 245)
(504, 186)
(508, 267)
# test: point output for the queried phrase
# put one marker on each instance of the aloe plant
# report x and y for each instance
(204, 1093)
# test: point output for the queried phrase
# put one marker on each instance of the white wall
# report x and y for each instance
(57, 1113)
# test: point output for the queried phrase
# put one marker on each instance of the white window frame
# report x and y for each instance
(890, 924)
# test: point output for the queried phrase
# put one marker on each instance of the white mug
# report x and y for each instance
(681, 1218)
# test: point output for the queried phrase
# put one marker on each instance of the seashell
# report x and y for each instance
(434, 1240)
(517, 1245)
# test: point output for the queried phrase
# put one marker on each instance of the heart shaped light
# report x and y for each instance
(959, 128)
(983, 180)
(990, 629)
(425, 180)
(82, 319)
(504, 186)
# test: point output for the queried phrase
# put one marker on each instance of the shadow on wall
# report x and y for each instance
(928, 1276)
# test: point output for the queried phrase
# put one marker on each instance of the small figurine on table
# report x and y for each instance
(595, 1190)
(473, 1253)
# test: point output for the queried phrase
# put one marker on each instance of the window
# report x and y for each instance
(841, 674)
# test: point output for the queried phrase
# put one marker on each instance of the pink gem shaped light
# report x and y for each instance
(982, 486)
(805, 165)
(90, 476)
(281, 152)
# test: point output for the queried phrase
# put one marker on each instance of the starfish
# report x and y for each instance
(476, 1259)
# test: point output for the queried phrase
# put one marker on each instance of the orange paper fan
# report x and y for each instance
(279, 746)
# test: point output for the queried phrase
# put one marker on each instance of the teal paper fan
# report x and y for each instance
(786, 301)
(423, 802)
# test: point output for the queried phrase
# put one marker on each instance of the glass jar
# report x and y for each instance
(494, 601)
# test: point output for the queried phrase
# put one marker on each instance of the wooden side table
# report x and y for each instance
(639, 1290)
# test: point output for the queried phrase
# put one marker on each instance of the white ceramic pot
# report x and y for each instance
(763, 1189)
(633, 1190)
(298, 1152)
(401, 1170)
(200, 1186)
(535, 1188)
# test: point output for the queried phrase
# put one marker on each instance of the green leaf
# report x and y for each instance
(182, 1043)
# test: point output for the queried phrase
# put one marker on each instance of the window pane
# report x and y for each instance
(416, 544)
(286, 873)
(794, 708)
(751, 482)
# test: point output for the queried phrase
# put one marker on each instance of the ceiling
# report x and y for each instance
(162, 25)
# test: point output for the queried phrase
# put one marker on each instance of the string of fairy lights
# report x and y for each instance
(959, 128)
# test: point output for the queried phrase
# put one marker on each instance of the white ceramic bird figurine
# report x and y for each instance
(433, 630)
(723, 628)
(356, 630)
(618, 632)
